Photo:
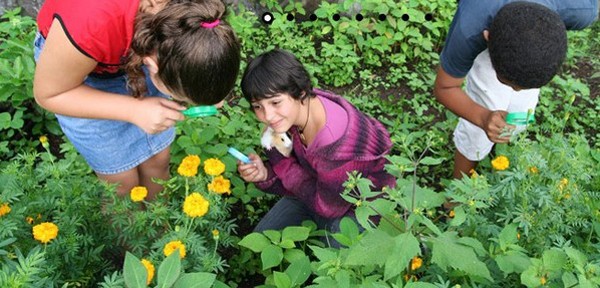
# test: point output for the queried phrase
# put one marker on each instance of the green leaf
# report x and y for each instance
(508, 235)
(4, 120)
(459, 216)
(282, 280)
(299, 271)
(273, 235)
(421, 285)
(196, 280)
(445, 250)
(134, 272)
(362, 253)
(431, 161)
(554, 259)
(576, 255)
(512, 261)
(255, 242)
(169, 270)
(406, 246)
(271, 256)
(295, 233)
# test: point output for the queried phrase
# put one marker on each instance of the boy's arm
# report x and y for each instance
(448, 91)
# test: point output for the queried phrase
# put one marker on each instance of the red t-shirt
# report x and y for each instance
(100, 29)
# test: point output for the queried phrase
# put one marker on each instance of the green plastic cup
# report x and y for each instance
(200, 111)
(520, 118)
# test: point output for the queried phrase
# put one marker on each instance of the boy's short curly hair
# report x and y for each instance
(527, 44)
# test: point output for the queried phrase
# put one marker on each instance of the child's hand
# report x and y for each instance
(155, 114)
(253, 172)
(496, 127)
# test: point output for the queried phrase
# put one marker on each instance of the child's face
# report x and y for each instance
(279, 112)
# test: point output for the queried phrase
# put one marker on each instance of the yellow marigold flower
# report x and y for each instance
(4, 209)
(473, 173)
(416, 263)
(29, 220)
(195, 205)
(174, 245)
(214, 167)
(150, 269)
(534, 170)
(215, 234)
(518, 236)
(543, 280)
(220, 185)
(451, 214)
(500, 163)
(189, 166)
(45, 232)
(43, 139)
(567, 196)
(563, 183)
(138, 193)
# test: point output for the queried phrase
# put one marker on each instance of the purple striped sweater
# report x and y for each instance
(315, 176)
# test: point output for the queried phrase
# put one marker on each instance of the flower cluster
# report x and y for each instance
(138, 193)
(500, 163)
(44, 232)
(189, 166)
(4, 209)
(195, 205)
(174, 245)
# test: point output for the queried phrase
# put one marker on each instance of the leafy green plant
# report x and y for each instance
(20, 118)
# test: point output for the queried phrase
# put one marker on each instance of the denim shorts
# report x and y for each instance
(110, 146)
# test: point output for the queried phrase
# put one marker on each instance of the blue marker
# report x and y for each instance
(239, 155)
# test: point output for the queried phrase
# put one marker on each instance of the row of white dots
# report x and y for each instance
(268, 18)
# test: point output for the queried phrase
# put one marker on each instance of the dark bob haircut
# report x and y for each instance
(274, 72)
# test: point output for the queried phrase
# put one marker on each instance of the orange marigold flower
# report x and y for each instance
(500, 163)
(138, 193)
(214, 167)
(195, 205)
(220, 185)
(150, 269)
(189, 166)
(45, 232)
(416, 263)
(534, 170)
(451, 214)
(174, 245)
(4, 209)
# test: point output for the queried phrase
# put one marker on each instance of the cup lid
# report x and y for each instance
(200, 111)
(520, 118)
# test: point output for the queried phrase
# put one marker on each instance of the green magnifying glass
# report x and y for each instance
(200, 111)
(520, 118)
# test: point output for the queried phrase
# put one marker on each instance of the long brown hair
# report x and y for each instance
(195, 62)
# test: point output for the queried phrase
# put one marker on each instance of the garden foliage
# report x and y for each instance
(528, 216)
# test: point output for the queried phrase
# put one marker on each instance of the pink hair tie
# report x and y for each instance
(210, 25)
